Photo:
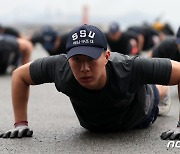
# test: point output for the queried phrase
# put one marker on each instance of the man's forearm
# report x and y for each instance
(21, 80)
(20, 95)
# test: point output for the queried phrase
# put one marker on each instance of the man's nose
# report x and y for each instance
(85, 66)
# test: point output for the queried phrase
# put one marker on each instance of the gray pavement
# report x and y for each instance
(57, 130)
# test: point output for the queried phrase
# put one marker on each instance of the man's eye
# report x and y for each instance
(90, 59)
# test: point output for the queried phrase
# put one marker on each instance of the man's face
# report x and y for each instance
(90, 73)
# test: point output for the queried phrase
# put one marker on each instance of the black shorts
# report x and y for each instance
(9, 52)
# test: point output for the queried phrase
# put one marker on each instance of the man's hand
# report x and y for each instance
(171, 134)
(18, 132)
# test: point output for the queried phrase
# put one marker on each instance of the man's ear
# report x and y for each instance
(107, 55)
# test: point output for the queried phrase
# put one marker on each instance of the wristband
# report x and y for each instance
(178, 124)
(21, 123)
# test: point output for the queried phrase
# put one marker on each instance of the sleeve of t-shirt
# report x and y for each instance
(43, 70)
(152, 71)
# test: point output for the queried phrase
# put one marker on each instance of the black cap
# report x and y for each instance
(86, 40)
(114, 27)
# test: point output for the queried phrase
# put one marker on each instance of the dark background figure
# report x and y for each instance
(148, 35)
(10, 31)
(13, 52)
(169, 48)
(50, 39)
(119, 41)
(164, 30)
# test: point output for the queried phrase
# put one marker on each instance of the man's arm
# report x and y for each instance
(57, 43)
(175, 77)
(21, 81)
(43, 71)
(40, 71)
(140, 42)
(174, 80)
(20, 94)
(175, 74)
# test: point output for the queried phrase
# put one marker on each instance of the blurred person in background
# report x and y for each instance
(13, 52)
(10, 31)
(51, 40)
(168, 48)
(164, 30)
(122, 42)
(147, 35)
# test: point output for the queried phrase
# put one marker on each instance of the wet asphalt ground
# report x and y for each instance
(57, 130)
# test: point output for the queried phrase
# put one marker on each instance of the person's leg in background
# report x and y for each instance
(20, 53)
(165, 99)
(25, 48)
